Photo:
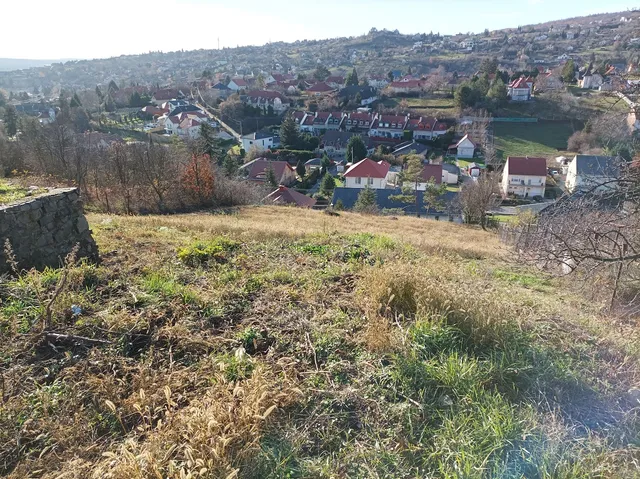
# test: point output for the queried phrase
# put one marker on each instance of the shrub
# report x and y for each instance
(200, 252)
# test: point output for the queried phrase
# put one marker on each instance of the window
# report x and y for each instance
(370, 181)
(358, 180)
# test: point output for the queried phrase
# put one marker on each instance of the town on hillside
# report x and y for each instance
(523, 109)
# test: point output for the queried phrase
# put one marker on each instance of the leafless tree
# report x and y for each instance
(478, 197)
(594, 234)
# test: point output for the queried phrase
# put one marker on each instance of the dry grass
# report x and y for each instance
(312, 346)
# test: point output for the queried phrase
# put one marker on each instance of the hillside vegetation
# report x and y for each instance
(274, 343)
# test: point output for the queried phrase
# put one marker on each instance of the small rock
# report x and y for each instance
(163, 229)
(76, 310)
(634, 395)
(445, 401)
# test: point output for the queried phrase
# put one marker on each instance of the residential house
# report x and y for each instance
(264, 99)
(319, 89)
(176, 110)
(258, 169)
(152, 112)
(378, 82)
(320, 122)
(525, 177)
(358, 121)
(298, 116)
(591, 172)
(164, 95)
(287, 196)
(313, 164)
(189, 128)
(367, 94)
(335, 82)
(220, 90)
(465, 148)
(570, 35)
(474, 169)
(411, 147)
(430, 173)
(521, 89)
(334, 143)
(260, 140)
(409, 86)
(426, 128)
(47, 117)
(367, 173)
(237, 84)
(450, 173)
(389, 126)
(591, 79)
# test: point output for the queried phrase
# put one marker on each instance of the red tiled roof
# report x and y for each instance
(239, 81)
(368, 168)
(521, 83)
(335, 79)
(360, 116)
(406, 84)
(188, 123)
(399, 120)
(523, 165)
(166, 94)
(258, 169)
(432, 171)
(320, 87)
(288, 196)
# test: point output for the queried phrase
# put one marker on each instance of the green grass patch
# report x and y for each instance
(545, 138)
(202, 252)
(523, 279)
(10, 192)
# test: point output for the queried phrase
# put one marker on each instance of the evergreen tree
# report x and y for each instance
(271, 177)
(327, 185)
(498, 93)
(366, 202)
(339, 206)
(289, 134)
(135, 100)
(11, 120)
(75, 101)
(356, 149)
(390, 76)
(208, 144)
(112, 88)
(321, 73)
(300, 169)
(3, 100)
(352, 78)
(230, 166)
(568, 74)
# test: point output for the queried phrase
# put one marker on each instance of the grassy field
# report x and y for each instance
(544, 138)
(282, 343)
(10, 192)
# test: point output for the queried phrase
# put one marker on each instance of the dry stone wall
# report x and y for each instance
(42, 230)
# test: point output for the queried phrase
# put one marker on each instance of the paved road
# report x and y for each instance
(200, 104)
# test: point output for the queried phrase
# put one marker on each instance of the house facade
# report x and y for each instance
(265, 98)
(521, 89)
(389, 126)
(426, 128)
(260, 140)
(237, 84)
(258, 169)
(524, 177)
(592, 172)
(367, 173)
(465, 147)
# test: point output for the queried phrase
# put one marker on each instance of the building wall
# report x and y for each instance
(465, 152)
(374, 183)
(44, 229)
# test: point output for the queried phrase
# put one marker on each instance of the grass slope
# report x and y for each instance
(545, 138)
(279, 343)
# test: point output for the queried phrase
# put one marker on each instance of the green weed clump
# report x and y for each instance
(203, 252)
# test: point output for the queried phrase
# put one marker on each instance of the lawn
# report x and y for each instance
(545, 138)
(276, 342)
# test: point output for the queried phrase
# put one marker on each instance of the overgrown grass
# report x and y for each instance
(283, 343)
(10, 192)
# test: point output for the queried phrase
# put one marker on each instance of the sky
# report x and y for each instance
(81, 29)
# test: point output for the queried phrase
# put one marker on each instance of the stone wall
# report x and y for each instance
(43, 230)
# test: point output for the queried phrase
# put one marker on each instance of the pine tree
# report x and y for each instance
(112, 88)
(366, 202)
(568, 74)
(230, 166)
(356, 149)
(75, 101)
(271, 177)
(300, 169)
(289, 134)
(352, 78)
(498, 93)
(327, 185)
(11, 120)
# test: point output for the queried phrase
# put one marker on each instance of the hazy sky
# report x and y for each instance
(43, 29)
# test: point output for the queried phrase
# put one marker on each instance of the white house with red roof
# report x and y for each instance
(258, 169)
(335, 81)
(189, 128)
(378, 81)
(389, 126)
(524, 176)
(237, 84)
(521, 89)
(367, 173)
(406, 86)
(321, 121)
